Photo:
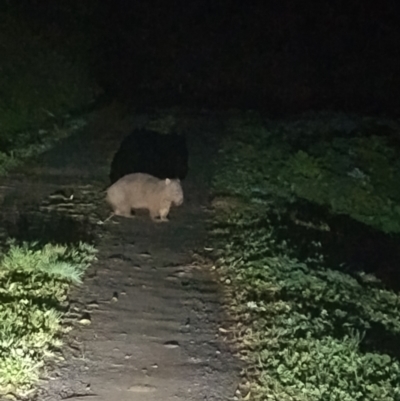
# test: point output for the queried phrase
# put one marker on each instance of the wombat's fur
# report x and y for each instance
(143, 191)
(147, 151)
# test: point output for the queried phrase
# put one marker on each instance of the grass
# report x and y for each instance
(34, 286)
(308, 331)
(45, 78)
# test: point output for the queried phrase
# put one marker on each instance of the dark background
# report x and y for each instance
(279, 57)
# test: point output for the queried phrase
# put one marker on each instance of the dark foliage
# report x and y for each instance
(147, 151)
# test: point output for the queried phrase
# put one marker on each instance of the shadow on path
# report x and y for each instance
(154, 311)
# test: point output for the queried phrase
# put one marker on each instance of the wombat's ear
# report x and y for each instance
(167, 181)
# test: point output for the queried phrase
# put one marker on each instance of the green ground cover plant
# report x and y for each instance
(350, 164)
(34, 286)
(306, 331)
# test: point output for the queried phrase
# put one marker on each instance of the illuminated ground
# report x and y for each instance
(154, 309)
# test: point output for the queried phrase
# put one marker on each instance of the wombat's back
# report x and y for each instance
(139, 191)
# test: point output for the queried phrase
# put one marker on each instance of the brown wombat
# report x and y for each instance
(143, 191)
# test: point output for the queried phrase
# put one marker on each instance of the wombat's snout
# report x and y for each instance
(179, 202)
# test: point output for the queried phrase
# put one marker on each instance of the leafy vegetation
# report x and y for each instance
(34, 286)
(45, 78)
(28, 145)
(307, 331)
(348, 164)
(41, 82)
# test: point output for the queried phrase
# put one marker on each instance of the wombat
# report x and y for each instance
(143, 191)
(147, 151)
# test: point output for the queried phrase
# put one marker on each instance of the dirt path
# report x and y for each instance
(154, 311)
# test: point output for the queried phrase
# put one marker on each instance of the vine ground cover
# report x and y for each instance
(308, 329)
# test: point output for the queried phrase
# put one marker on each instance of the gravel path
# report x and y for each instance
(153, 307)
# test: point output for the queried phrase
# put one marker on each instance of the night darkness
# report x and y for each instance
(280, 57)
(263, 136)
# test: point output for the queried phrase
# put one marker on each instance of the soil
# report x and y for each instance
(147, 317)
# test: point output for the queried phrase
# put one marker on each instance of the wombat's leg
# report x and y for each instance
(164, 219)
(164, 211)
(154, 214)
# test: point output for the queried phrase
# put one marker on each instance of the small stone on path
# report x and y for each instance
(171, 344)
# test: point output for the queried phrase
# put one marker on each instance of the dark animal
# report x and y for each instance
(146, 151)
